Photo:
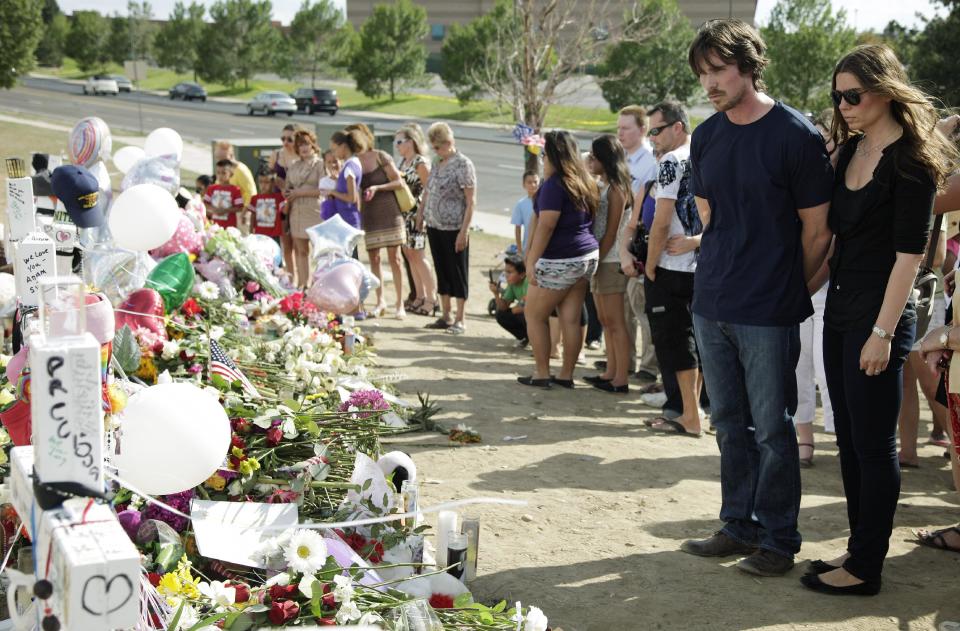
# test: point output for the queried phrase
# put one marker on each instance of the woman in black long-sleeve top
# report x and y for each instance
(891, 161)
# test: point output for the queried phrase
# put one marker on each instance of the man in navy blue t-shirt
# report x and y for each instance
(763, 181)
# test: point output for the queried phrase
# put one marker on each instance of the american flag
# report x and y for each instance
(221, 364)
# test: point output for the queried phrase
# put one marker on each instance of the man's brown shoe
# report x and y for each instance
(766, 563)
(719, 545)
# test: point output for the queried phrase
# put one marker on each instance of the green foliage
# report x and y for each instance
(50, 48)
(20, 29)
(655, 69)
(390, 52)
(308, 46)
(933, 62)
(87, 39)
(902, 39)
(805, 39)
(472, 47)
(239, 41)
(53, 43)
(126, 350)
(178, 40)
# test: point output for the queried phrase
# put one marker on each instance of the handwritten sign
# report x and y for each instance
(66, 409)
(94, 569)
(233, 531)
(35, 259)
(21, 212)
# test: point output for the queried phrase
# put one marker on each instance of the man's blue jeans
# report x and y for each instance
(750, 376)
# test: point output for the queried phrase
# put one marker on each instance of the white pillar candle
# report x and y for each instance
(446, 523)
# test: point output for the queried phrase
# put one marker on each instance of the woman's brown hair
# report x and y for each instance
(733, 41)
(879, 72)
(363, 134)
(305, 137)
(352, 139)
(562, 151)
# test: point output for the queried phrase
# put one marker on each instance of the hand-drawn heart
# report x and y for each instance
(101, 597)
(63, 236)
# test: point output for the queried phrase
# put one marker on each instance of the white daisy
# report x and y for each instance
(208, 290)
(306, 553)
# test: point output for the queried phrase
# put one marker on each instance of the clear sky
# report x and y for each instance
(863, 14)
(870, 14)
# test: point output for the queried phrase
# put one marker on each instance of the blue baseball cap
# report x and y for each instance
(80, 193)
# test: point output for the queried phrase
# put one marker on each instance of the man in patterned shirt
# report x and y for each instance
(671, 263)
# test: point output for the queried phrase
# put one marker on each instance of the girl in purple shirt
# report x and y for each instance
(562, 257)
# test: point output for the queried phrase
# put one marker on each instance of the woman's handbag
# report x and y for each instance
(638, 247)
(925, 286)
(405, 198)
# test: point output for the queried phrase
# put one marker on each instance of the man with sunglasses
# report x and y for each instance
(763, 183)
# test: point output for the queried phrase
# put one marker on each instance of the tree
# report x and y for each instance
(805, 38)
(177, 42)
(654, 70)
(390, 53)
(239, 41)
(118, 43)
(20, 29)
(312, 30)
(54, 39)
(902, 39)
(87, 39)
(537, 54)
(932, 60)
(468, 46)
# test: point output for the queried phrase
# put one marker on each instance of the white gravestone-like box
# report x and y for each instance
(34, 260)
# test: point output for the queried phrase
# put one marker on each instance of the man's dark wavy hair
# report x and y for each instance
(733, 41)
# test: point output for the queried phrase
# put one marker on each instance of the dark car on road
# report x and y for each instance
(310, 100)
(188, 92)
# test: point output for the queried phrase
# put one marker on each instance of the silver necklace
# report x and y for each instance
(865, 152)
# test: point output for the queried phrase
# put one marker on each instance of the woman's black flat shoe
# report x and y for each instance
(536, 383)
(812, 581)
(607, 386)
(820, 567)
(565, 383)
(594, 379)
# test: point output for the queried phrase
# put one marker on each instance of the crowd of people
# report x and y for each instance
(742, 266)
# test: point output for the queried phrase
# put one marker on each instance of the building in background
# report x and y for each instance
(442, 13)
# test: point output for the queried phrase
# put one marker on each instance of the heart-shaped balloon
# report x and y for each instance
(143, 308)
(173, 278)
(186, 239)
(337, 289)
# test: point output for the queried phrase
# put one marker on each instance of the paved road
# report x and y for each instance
(498, 159)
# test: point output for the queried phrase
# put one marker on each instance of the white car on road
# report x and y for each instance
(272, 103)
(101, 84)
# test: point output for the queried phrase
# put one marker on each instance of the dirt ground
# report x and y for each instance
(597, 548)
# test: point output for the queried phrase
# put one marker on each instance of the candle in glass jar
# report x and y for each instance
(446, 523)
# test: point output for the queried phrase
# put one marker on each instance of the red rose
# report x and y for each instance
(191, 308)
(274, 436)
(285, 611)
(329, 601)
(282, 592)
(441, 601)
(154, 578)
(243, 592)
(326, 622)
(236, 441)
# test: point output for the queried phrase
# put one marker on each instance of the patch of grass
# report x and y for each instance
(414, 105)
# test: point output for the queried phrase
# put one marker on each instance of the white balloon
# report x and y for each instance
(143, 217)
(173, 437)
(163, 141)
(125, 158)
